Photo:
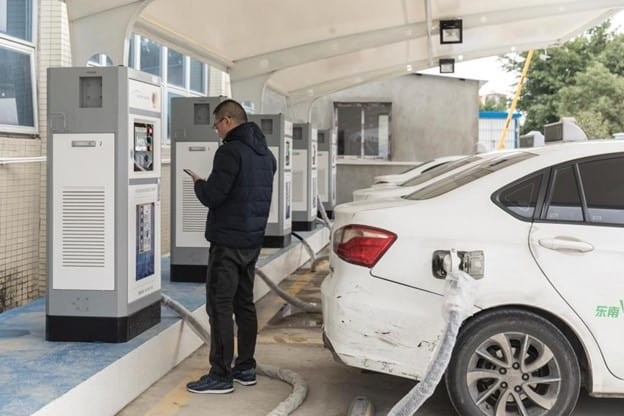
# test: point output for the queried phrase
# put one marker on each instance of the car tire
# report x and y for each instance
(512, 362)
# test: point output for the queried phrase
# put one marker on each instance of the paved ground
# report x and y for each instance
(295, 343)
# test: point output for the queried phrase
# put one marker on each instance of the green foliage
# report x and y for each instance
(582, 79)
(492, 104)
(596, 100)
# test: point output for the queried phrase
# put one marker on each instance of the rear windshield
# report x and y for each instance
(480, 170)
(440, 170)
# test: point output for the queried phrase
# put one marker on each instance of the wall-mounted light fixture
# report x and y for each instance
(451, 31)
(447, 65)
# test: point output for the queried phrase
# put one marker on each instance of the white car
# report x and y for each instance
(397, 191)
(400, 178)
(549, 310)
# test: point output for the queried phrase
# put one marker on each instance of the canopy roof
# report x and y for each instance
(306, 49)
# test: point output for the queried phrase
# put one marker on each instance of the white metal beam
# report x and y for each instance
(181, 43)
(312, 92)
(300, 54)
(106, 31)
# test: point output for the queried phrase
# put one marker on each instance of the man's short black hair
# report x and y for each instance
(232, 109)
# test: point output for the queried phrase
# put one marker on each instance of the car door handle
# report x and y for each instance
(566, 243)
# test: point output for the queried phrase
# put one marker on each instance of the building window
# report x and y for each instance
(181, 75)
(170, 95)
(100, 59)
(17, 71)
(363, 129)
(16, 19)
(175, 68)
(197, 76)
(150, 56)
(16, 92)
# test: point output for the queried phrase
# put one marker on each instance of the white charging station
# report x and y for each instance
(194, 143)
(103, 203)
(278, 132)
(305, 174)
(327, 149)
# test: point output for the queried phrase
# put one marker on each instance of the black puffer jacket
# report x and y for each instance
(238, 191)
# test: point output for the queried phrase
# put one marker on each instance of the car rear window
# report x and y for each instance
(521, 197)
(484, 168)
(604, 190)
(440, 170)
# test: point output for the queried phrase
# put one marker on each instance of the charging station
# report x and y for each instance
(278, 132)
(305, 174)
(103, 204)
(327, 149)
(194, 143)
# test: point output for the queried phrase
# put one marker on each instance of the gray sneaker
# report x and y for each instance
(245, 377)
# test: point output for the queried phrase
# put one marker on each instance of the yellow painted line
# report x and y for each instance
(295, 287)
(175, 400)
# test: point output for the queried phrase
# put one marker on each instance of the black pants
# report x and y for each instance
(229, 290)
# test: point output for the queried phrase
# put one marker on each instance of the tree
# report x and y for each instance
(492, 104)
(556, 69)
(596, 100)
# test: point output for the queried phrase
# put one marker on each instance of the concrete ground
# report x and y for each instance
(294, 342)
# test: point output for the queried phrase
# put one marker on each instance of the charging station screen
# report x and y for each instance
(143, 150)
(144, 240)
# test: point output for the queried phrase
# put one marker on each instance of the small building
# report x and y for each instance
(491, 126)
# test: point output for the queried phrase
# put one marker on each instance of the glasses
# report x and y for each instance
(216, 123)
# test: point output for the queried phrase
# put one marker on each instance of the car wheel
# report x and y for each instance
(512, 362)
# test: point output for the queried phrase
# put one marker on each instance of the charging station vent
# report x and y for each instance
(193, 212)
(83, 227)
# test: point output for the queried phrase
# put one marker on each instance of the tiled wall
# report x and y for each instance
(19, 223)
(23, 245)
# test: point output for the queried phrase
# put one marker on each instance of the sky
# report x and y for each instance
(490, 70)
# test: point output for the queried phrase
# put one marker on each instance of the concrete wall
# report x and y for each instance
(432, 116)
(351, 176)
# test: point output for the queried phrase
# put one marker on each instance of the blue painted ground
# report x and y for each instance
(34, 372)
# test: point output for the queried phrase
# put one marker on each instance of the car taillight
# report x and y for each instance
(361, 244)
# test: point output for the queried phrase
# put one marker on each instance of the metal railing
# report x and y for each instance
(15, 160)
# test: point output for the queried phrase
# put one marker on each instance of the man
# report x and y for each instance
(238, 195)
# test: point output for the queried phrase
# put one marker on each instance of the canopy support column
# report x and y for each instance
(250, 90)
(105, 32)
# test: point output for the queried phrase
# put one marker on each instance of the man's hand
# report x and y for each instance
(192, 175)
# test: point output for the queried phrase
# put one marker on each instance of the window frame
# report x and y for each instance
(362, 106)
(581, 189)
(541, 195)
(34, 29)
(24, 47)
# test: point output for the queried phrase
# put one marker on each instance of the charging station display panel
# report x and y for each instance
(288, 199)
(323, 168)
(191, 214)
(144, 240)
(274, 211)
(314, 190)
(143, 246)
(300, 180)
(143, 147)
(84, 211)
